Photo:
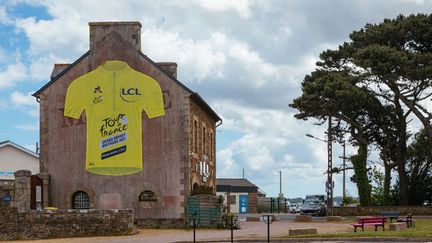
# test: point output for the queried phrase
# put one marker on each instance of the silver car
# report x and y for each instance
(313, 207)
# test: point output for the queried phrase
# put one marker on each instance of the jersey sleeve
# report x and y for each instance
(152, 102)
(75, 103)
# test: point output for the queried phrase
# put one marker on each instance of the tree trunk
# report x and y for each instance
(387, 181)
(360, 172)
(401, 162)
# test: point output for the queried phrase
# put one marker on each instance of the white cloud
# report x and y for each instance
(197, 59)
(25, 103)
(21, 99)
(242, 7)
(64, 36)
(42, 66)
(13, 73)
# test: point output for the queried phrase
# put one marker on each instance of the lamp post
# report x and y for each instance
(343, 171)
(329, 184)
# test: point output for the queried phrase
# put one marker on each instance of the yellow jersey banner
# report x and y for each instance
(114, 96)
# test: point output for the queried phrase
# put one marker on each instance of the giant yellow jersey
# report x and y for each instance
(114, 96)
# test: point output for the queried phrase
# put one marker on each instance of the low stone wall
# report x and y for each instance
(64, 223)
(376, 210)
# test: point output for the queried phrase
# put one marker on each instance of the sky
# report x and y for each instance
(245, 58)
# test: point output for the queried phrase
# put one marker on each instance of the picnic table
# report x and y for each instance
(408, 220)
(390, 214)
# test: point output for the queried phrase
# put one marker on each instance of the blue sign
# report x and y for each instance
(7, 173)
(7, 198)
(244, 203)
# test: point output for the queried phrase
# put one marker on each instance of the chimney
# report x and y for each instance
(129, 31)
(169, 68)
(58, 68)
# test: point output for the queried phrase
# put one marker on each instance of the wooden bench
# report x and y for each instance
(408, 220)
(370, 221)
(390, 214)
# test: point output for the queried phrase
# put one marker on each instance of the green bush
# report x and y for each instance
(226, 221)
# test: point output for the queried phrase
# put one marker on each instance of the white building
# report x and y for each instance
(240, 195)
(14, 157)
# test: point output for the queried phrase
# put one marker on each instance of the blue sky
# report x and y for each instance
(246, 58)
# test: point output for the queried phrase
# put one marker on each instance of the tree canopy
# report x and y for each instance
(371, 84)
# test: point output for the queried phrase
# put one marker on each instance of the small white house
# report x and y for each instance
(14, 157)
(240, 195)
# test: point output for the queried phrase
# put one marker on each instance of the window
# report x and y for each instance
(80, 200)
(204, 147)
(211, 146)
(147, 195)
(232, 199)
(195, 136)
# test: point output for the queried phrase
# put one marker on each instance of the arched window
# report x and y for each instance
(147, 196)
(80, 200)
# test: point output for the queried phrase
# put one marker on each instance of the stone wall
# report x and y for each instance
(64, 223)
(376, 210)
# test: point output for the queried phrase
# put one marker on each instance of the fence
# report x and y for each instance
(205, 209)
(273, 205)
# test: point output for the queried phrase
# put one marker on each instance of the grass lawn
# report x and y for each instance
(422, 229)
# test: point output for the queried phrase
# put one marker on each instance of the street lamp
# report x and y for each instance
(329, 184)
(312, 136)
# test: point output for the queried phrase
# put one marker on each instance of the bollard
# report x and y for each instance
(268, 219)
(193, 221)
(232, 219)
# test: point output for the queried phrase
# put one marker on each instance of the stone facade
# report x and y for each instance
(168, 161)
(64, 223)
(376, 210)
(202, 131)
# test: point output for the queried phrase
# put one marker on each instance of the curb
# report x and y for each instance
(357, 239)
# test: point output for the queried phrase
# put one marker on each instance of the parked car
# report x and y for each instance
(294, 208)
(313, 207)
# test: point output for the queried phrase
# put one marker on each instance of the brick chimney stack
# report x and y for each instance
(129, 31)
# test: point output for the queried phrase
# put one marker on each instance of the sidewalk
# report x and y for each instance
(249, 231)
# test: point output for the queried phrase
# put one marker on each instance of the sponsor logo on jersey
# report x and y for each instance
(130, 94)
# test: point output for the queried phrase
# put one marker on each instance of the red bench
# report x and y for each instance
(370, 221)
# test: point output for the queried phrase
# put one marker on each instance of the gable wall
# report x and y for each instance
(165, 153)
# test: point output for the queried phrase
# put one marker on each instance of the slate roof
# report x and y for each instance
(235, 185)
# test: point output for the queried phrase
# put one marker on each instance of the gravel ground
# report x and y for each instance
(249, 230)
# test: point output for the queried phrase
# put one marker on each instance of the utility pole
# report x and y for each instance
(280, 184)
(343, 171)
(243, 173)
(329, 170)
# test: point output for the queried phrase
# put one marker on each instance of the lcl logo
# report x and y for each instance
(130, 94)
(130, 91)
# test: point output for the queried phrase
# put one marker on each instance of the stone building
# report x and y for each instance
(178, 148)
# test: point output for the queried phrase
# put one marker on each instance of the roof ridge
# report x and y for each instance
(17, 146)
